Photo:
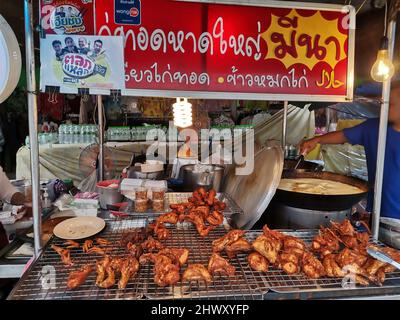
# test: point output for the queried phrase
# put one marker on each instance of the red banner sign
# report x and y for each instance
(181, 48)
(67, 16)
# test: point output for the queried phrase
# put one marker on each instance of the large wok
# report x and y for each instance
(318, 201)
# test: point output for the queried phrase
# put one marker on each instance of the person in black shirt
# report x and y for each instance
(70, 46)
(57, 46)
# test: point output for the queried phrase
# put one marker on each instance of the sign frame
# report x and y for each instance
(266, 96)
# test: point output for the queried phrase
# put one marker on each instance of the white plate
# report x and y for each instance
(79, 228)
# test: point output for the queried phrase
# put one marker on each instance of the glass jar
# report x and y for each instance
(140, 205)
(158, 193)
(141, 193)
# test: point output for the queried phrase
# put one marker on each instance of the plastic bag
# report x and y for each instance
(89, 184)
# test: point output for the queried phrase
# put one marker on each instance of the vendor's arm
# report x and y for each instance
(336, 137)
(353, 135)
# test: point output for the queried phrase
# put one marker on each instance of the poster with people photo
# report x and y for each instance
(67, 16)
(73, 62)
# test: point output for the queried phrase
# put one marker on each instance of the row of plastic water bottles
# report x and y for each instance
(73, 133)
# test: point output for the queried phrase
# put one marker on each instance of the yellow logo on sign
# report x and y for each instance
(307, 40)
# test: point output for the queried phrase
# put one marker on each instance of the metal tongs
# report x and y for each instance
(301, 159)
(381, 256)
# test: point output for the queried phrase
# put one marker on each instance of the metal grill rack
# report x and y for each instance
(280, 282)
(246, 284)
(31, 286)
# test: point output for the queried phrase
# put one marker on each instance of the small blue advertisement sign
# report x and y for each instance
(127, 12)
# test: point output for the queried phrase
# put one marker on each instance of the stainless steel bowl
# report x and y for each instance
(199, 175)
(108, 196)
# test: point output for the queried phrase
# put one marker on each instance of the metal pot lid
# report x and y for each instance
(254, 192)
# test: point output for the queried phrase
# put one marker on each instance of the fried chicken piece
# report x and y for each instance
(102, 242)
(87, 245)
(203, 211)
(64, 254)
(161, 232)
(312, 267)
(71, 244)
(326, 242)
(134, 250)
(219, 205)
(109, 280)
(101, 267)
(350, 241)
(360, 275)
(129, 269)
(170, 217)
(147, 258)
(231, 237)
(177, 208)
(344, 229)
(241, 245)
(77, 278)
(135, 235)
(218, 264)
(348, 256)
(202, 193)
(268, 247)
(96, 250)
(116, 264)
(289, 262)
(257, 262)
(165, 271)
(216, 218)
(151, 245)
(279, 236)
(198, 222)
(332, 269)
(197, 272)
(180, 254)
(210, 198)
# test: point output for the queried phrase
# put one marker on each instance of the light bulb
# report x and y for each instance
(383, 68)
(182, 111)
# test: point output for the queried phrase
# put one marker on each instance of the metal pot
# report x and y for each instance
(135, 173)
(108, 196)
(199, 175)
(281, 216)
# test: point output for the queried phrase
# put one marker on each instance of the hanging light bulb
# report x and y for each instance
(383, 68)
(182, 110)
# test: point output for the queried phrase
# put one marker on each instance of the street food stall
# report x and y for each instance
(158, 244)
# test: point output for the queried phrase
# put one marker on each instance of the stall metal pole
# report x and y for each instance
(100, 114)
(383, 124)
(33, 123)
(284, 125)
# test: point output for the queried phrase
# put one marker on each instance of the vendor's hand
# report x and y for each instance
(306, 146)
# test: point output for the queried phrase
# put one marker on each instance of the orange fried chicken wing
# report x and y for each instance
(257, 262)
(218, 264)
(197, 272)
(77, 278)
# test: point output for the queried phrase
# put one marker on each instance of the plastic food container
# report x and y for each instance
(158, 193)
(158, 205)
(141, 193)
(140, 205)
